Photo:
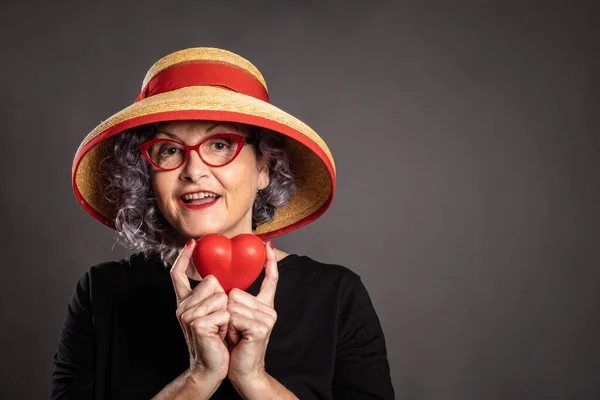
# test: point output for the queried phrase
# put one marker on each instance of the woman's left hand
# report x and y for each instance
(250, 325)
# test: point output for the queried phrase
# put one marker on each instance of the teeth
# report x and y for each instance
(198, 196)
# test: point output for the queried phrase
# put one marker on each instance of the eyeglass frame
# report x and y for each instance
(242, 140)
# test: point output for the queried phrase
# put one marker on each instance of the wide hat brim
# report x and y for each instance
(310, 159)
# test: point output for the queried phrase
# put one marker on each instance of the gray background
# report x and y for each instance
(467, 146)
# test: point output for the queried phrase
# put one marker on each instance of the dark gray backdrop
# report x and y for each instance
(467, 147)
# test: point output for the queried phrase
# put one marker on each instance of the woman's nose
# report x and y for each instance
(194, 168)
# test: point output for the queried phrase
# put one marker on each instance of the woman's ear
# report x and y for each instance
(262, 166)
(263, 175)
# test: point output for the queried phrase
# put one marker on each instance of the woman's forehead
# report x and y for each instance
(200, 127)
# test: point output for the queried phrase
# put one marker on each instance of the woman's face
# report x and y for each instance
(235, 184)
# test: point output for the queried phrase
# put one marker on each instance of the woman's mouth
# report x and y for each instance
(198, 199)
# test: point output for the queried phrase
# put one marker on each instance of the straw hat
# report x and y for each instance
(212, 84)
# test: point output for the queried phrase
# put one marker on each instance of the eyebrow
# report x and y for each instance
(223, 123)
(173, 136)
(169, 134)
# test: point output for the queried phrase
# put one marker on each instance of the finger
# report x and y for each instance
(269, 284)
(209, 286)
(223, 330)
(192, 271)
(216, 302)
(248, 328)
(210, 325)
(233, 335)
(267, 318)
(179, 277)
(238, 296)
(207, 329)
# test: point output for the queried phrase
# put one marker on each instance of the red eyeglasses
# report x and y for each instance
(215, 151)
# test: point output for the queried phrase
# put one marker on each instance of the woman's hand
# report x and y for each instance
(250, 325)
(203, 316)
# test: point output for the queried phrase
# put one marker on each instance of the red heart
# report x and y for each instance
(235, 262)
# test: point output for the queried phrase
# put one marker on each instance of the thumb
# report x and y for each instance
(233, 335)
(192, 270)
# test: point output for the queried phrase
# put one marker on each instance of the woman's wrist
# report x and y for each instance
(202, 383)
(250, 386)
(189, 385)
(261, 386)
(249, 380)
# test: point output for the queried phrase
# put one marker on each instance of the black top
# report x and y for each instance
(121, 339)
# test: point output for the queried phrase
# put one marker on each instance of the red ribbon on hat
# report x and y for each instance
(204, 74)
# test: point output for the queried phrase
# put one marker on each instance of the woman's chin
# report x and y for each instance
(195, 228)
(196, 234)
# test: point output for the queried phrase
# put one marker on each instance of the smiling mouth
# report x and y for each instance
(199, 202)
(197, 199)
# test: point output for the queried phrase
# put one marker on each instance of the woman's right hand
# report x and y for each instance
(202, 314)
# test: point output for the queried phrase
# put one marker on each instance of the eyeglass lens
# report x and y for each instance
(214, 151)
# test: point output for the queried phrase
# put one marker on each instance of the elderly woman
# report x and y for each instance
(202, 151)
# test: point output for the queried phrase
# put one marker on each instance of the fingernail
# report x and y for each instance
(189, 242)
(271, 244)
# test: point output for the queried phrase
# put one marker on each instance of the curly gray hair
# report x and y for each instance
(141, 226)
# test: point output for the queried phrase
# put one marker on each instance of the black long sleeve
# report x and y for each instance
(73, 376)
(121, 339)
(361, 357)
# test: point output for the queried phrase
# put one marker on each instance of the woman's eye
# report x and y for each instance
(220, 144)
(169, 151)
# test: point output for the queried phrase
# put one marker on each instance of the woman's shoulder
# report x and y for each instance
(316, 286)
(314, 271)
(133, 263)
(134, 270)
